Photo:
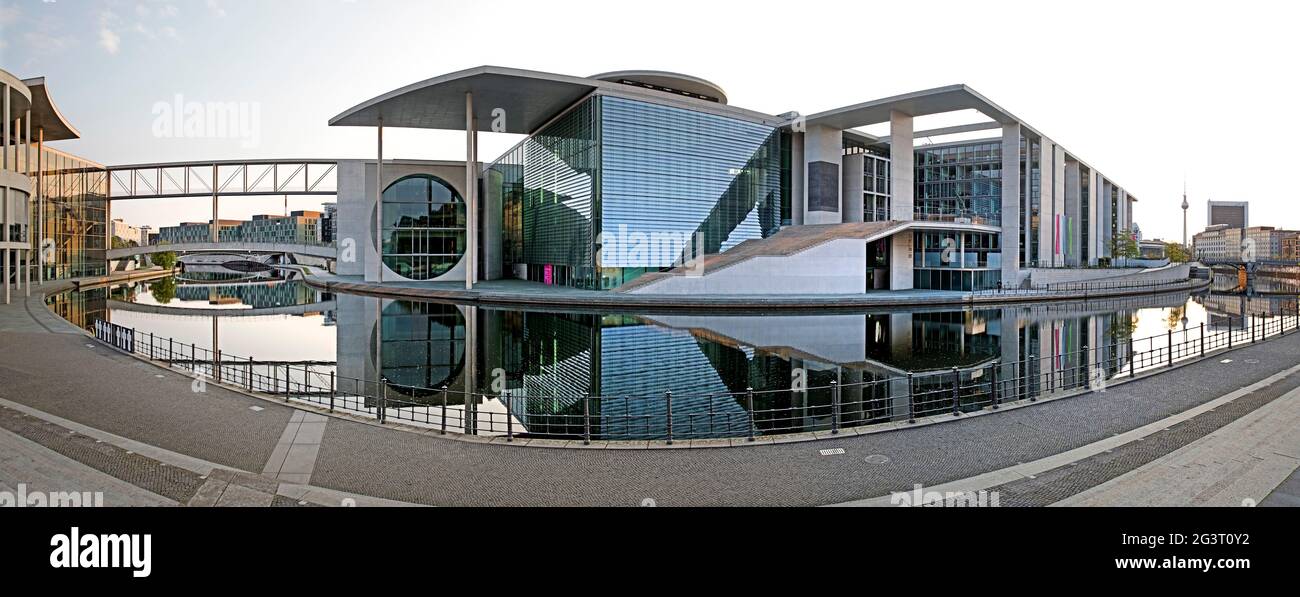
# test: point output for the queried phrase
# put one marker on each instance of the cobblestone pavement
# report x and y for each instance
(99, 387)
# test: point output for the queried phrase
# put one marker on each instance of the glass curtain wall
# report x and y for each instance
(960, 182)
(951, 260)
(75, 218)
(550, 196)
(616, 187)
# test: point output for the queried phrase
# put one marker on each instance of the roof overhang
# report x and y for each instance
(951, 98)
(46, 116)
(529, 99)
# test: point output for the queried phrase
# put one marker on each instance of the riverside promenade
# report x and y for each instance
(519, 293)
(91, 417)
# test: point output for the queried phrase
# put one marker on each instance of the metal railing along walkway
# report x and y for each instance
(676, 416)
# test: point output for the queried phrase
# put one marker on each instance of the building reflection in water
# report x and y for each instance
(545, 363)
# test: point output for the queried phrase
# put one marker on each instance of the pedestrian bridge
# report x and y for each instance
(323, 251)
(310, 308)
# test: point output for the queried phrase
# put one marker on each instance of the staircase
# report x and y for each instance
(788, 241)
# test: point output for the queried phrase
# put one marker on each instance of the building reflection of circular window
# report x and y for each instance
(422, 347)
(424, 222)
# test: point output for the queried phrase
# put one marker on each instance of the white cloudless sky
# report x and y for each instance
(1150, 93)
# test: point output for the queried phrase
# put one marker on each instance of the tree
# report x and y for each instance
(165, 259)
(1177, 253)
(1124, 245)
(163, 290)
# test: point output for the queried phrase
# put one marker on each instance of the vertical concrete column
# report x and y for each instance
(1105, 211)
(1126, 217)
(851, 197)
(1046, 205)
(1073, 211)
(4, 159)
(798, 194)
(900, 261)
(379, 202)
(471, 193)
(40, 204)
(1011, 215)
(902, 160)
(1094, 217)
(1058, 206)
(823, 161)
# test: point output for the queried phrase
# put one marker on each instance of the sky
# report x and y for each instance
(1153, 94)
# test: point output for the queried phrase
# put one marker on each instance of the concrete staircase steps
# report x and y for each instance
(788, 241)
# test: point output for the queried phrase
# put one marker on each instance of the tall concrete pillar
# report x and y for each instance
(902, 171)
(1058, 206)
(823, 160)
(798, 194)
(1011, 204)
(852, 195)
(1094, 217)
(900, 261)
(1046, 205)
(1073, 212)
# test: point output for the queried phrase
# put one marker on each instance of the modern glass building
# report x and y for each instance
(618, 187)
(53, 208)
(649, 182)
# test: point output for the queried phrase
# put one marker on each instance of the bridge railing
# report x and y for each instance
(737, 416)
(1085, 288)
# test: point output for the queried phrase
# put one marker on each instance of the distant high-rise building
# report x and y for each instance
(1234, 214)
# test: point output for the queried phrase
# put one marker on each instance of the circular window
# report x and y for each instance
(423, 347)
(424, 227)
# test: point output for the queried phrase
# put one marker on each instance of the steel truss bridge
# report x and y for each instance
(223, 177)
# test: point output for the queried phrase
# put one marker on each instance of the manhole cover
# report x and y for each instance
(832, 452)
(876, 459)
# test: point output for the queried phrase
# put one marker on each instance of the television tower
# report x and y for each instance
(1185, 214)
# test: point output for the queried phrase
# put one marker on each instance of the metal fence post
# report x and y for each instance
(835, 406)
(956, 392)
(1202, 343)
(171, 352)
(668, 396)
(510, 424)
(993, 387)
(444, 410)
(911, 400)
(287, 374)
(586, 420)
(1252, 328)
(749, 405)
(383, 399)
(1169, 339)
(1132, 359)
(331, 391)
(216, 366)
(1229, 331)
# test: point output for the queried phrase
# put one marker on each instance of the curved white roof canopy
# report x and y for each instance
(46, 115)
(528, 100)
(694, 86)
